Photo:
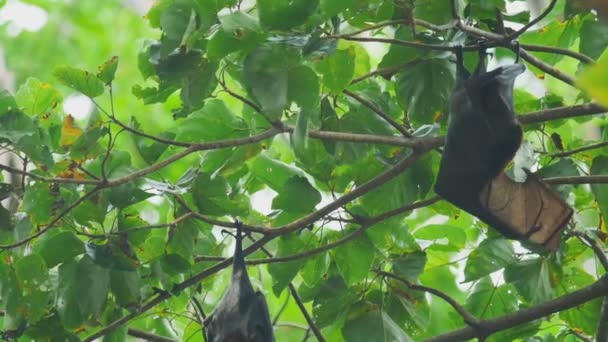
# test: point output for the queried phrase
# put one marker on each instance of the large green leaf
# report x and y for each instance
(491, 255)
(594, 37)
(265, 75)
(212, 122)
(239, 32)
(83, 288)
(283, 15)
(409, 266)
(338, 70)
(374, 325)
(125, 287)
(424, 89)
(354, 259)
(298, 196)
(594, 80)
(532, 279)
(79, 80)
(59, 247)
(331, 302)
(438, 234)
(38, 202)
(282, 273)
(31, 271)
(37, 98)
(212, 197)
(599, 166)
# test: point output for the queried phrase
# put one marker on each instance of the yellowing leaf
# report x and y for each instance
(594, 80)
(69, 132)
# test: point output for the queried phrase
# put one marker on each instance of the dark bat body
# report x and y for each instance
(242, 314)
(483, 136)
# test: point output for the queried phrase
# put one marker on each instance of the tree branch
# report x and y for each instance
(532, 22)
(563, 154)
(148, 336)
(578, 297)
(595, 179)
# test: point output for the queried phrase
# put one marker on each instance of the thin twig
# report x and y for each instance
(532, 22)
(378, 111)
(53, 222)
(562, 154)
(595, 179)
(146, 336)
(467, 316)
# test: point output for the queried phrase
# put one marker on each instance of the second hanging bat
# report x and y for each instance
(242, 314)
(483, 136)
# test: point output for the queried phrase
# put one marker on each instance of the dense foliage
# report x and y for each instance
(319, 125)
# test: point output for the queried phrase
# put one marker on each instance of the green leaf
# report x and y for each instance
(60, 247)
(585, 316)
(239, 32)
(36, 97)
(593, 37)
(211, 195)
(125, 286)
(107, 70)
(199, 84)
(212, 122)
(399, 54)
(282, 273)
(599, 166)
(175, 264)
(82, 292)
(315, 268)
(488, 301)
(31, 271)
(283, 15)
(272, 172)
(354, 259)
(79, 80)
(38, 202)
(374, 325)
(557, 33)
(486, 8)
(152, 248)
(409, 266)
(332, 7)
(183, 238)
(338, 70)
(12, 296)
(434, 11)
(298, 196)
(265, 75)
(532, 279)
(594, 80)
(429, 93)
(303, 87)
(7, 102)
(490, 256)
(331, 302)
(438, 234)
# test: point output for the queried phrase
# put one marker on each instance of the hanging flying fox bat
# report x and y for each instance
(483, 137)
(242, 314)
